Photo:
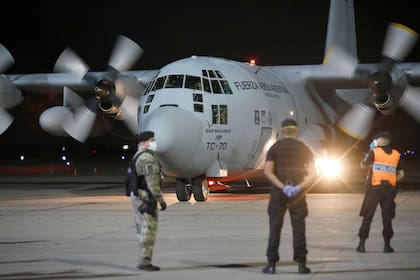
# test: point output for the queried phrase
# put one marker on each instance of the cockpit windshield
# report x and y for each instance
(212, 81)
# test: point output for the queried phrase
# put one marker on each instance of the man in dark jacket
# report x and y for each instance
(290, 168)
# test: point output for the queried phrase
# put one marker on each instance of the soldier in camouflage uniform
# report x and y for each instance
(145, 204)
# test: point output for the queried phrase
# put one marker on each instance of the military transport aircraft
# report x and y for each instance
(215, 118)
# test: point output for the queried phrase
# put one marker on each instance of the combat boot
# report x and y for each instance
(361, 247)
(303, 269)
(387, 247)
(148, 267)
(270, 268)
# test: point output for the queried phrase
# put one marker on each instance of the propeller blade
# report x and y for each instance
(410, 102)
(125, 54)
(71, 98)
(79, 124)
(129, 108)
(5, 120)
(6, 59)
(342, 61)
(399, 41)
(357, 121)
(70, 62)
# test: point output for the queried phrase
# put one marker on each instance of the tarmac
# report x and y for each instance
(85, 230)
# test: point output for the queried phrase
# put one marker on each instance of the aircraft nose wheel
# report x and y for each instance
(183, 190)
(200, 188)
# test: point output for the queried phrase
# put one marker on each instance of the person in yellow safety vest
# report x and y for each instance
(384, 173)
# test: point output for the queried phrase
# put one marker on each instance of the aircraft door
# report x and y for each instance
(257, 153)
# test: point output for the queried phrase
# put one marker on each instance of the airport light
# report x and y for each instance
(328, 168)
(125, 147)
(22, 157)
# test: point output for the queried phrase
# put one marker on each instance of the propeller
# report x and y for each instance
(389, 87)
(6, 60)
(107, 98)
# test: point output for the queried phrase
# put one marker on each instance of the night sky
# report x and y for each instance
(274, 32)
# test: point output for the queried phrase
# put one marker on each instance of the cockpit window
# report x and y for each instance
(193, 82)
(174, 81)
(150, 98)
(212, 74)
(159, 83)
(204, 73)
(206, 85)
(219, 75)
(148, 88)
(226, 87)
(216, 86)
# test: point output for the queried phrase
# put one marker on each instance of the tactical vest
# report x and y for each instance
(384, 167)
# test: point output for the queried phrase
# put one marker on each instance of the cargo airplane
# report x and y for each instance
(215, 118)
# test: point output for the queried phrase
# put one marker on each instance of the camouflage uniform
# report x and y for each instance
(146, 223)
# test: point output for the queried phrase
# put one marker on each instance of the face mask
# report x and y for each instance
(153, 146)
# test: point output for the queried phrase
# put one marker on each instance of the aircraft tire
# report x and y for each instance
(200, 189)
(183, 191)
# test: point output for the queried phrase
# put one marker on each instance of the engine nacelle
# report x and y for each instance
(10, 96)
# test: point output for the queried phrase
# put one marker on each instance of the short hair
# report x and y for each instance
(383, 134)
(288, 122)
(144, 136)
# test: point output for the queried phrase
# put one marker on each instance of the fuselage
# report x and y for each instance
(210, 114)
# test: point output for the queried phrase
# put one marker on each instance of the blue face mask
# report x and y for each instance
(373, 144)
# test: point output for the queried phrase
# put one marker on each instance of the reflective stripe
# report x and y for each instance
(384, 168)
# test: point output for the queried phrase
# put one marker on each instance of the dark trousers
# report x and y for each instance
(384, 196)
(298, 210)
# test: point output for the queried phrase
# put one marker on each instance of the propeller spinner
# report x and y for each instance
(124, 55)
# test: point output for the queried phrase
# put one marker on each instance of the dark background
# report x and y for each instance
(273, 32)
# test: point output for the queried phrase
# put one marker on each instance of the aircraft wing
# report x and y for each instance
(114, 92)
(55, 82)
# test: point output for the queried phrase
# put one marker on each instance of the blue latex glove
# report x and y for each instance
(296, 190)
(287, 190)
(372, 145)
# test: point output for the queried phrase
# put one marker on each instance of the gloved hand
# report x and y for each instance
(287, 190)
(291, 191)
(296, 190)
(372, 145)
(162, 205)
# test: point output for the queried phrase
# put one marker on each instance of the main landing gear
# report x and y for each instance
(197, 186)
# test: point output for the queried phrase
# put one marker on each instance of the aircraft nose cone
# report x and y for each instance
(178, 134)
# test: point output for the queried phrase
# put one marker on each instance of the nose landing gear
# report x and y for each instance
(199, 187)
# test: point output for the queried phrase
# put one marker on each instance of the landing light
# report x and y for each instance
(328, 168)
